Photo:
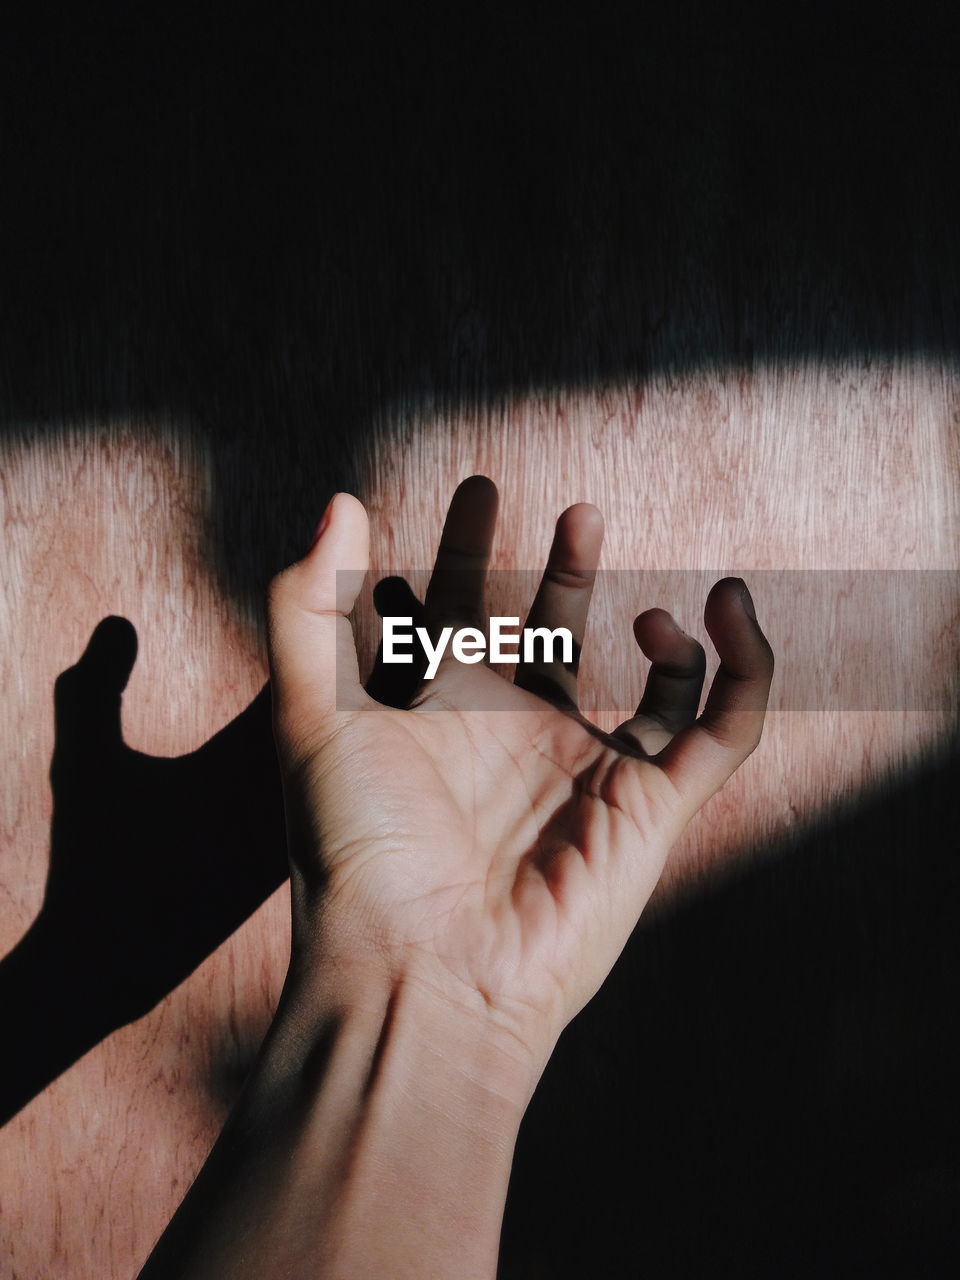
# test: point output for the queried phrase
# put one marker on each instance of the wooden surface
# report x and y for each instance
(702, 279)
(105, 521)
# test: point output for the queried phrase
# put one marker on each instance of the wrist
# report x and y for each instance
(439, 1025)
(374, 1137)
(440, 1095)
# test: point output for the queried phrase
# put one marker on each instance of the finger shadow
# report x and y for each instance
(395, 684)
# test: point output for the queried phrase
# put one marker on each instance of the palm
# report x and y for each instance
(512, 849)
(490, 849)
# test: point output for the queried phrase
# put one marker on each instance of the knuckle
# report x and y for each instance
(576, 579)
(696, 655)
(692, 664)
(751, 740)
(735, 732)
(765, 660)
(750, 746)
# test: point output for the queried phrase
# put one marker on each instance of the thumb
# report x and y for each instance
(313, 655)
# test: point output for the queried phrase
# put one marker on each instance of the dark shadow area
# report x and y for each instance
(282, 225)
(153, 862)
(766, 1085)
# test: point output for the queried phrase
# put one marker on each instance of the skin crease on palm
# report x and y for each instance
(499, 858)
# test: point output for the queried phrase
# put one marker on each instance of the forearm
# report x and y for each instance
(375, 1137)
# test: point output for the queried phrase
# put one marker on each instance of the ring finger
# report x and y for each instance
(671, 694)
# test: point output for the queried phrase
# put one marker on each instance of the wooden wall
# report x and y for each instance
(846, 468)
(701, 278)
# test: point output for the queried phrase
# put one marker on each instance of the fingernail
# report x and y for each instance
(324, 521)
(746, 599)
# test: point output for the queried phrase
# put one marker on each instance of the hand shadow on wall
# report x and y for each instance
(154, 862)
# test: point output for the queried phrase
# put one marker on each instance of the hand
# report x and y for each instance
(497, 858)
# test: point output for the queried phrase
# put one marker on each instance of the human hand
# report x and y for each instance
(499, 858)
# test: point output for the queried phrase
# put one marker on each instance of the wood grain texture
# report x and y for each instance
(703, 274)
(831, 468)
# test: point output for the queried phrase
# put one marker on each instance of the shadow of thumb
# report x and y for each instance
(87, 695)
